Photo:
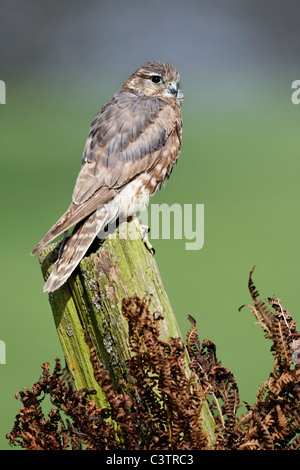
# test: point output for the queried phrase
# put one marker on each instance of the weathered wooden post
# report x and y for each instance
(91, 300)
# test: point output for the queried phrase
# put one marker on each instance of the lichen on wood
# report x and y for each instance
(91, 300)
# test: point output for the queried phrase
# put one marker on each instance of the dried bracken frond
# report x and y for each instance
(32, 430)
(273, 422)
(162, 409)
(264, 316)
(216, 380)
(164, 399)
(174, 400)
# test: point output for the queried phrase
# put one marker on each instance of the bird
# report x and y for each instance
(133, 144)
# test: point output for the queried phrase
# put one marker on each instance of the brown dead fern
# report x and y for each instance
(273, 422)
(164, 403)
(217, 382)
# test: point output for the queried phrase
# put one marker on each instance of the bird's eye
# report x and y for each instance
(156, 79)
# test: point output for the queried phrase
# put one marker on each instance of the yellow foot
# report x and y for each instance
(147, 243)
(144, 230)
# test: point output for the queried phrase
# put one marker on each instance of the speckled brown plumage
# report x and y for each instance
(132, 146)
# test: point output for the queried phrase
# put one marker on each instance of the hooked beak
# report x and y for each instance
(173, 88)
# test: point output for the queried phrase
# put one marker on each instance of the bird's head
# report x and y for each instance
(156, 79)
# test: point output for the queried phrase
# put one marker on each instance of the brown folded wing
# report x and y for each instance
(126, 138)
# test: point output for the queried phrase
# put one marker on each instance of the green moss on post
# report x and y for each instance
(91, 300)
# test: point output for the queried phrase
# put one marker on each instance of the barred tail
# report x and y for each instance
(77, 246)
(61, 226)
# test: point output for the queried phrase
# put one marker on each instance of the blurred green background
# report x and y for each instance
(240, 158)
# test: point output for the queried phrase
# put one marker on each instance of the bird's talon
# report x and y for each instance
(145, 228)
(152, 251)
(148, 245)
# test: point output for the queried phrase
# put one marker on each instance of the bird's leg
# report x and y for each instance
(144, 230)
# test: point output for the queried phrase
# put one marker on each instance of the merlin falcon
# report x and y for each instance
(133, 144)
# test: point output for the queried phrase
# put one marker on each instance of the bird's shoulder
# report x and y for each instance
(129, 126)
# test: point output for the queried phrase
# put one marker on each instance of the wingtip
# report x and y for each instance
(36, 249)
(53, 283)
(47, 287)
